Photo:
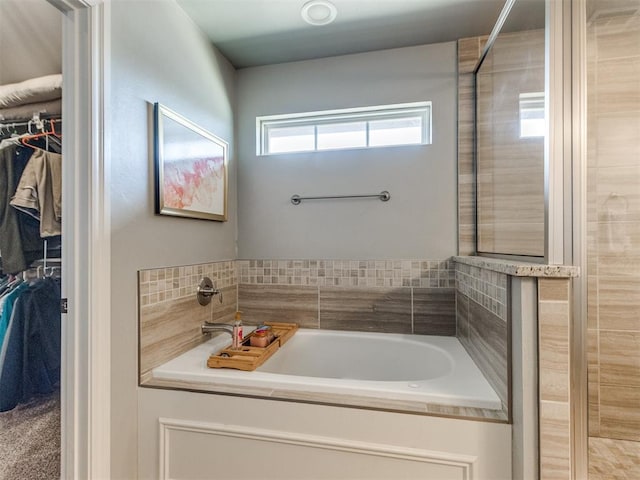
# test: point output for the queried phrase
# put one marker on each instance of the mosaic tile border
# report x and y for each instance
(171, 283)
(488, 288)
(348, 273)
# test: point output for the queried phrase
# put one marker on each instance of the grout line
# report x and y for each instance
(412, 326)
(318, 306)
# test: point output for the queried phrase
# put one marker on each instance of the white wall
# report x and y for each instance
(157, 55)
(420, 219)
(30, 40)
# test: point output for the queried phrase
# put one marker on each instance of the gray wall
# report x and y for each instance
(157, 55)
(30, 40)
(420, 219)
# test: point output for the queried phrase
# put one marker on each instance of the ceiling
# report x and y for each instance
(261, 32)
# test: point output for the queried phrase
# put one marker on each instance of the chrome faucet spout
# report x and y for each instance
(217, 327)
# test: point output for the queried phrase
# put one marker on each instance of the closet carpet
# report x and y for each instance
(30, 440)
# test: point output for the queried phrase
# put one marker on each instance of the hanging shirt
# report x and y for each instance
(39, 192)
(30, 356)
(19, 243)
(6, 309)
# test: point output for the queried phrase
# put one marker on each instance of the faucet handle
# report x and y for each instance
(206, 290)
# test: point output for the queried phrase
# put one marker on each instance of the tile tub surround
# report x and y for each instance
(158, 285)
(169, 314)
(348, 273)
(394, 296)
(483, 324)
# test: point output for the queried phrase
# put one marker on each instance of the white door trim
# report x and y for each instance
(86, 282)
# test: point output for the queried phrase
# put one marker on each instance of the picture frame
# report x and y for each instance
(191, 168)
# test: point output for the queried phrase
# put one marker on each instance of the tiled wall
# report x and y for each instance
(170, 316)
(483, 323)
(554, 317)
(613, 216)
(172, 283)
(348, 273)
(399, 296)
(469, 50)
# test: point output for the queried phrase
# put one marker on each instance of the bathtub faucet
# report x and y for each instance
(217, 327)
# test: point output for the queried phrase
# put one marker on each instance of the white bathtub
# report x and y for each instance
(412, 368)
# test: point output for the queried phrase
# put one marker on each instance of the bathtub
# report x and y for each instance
(420, 369)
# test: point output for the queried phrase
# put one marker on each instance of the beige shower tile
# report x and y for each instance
(593, 376)
(619, 303)
(554, 289)
(466, 98)
(592, 301)
(620, 358)
(468, 54)
(618, 139)
(169, 329)
(279, 303)
(466, 239)
(613, 459)
(462, 316)
(618, 85)
(553, 327)
(555, 441)
(366, 309)
(488, 345)
(519, 51)
(619, 249)
(224, 312)
(616, 42)
(466, 201)
(619, 412)
(618, 193)
(514, 238)
(434, 311)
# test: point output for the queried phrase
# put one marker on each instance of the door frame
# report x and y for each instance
(86, 252)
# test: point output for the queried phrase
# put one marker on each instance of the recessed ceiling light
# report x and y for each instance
(319, 12)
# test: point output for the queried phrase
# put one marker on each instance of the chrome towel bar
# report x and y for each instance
(383, 196)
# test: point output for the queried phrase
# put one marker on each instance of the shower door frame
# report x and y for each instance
(578, 133)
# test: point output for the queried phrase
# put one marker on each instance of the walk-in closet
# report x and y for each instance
(31, 163)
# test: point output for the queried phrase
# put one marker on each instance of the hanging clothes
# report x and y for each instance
(30, 354)
(30, 178)
(6, 308)
(39, 192)
(19, 245)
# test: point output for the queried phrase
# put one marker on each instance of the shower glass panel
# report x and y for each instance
(613, 246)
(510, 137)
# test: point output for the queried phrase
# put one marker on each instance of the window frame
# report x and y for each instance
(349, 115)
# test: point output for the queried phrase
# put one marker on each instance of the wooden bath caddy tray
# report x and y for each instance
(249, 358)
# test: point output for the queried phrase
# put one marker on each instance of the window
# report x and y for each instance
(382, 126)
(532, 123)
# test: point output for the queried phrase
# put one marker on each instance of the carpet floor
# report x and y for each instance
(30, 440)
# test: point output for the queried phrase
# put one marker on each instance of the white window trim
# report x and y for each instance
(348, 115)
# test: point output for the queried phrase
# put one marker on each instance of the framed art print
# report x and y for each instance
(190, 168)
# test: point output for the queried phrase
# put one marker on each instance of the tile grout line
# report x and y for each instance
(412, 324)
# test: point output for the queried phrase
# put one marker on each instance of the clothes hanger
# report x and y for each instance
(44, 133)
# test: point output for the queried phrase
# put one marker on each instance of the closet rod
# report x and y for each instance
(34, 120)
